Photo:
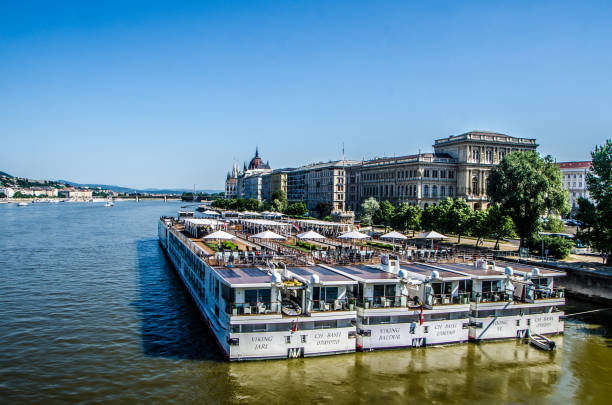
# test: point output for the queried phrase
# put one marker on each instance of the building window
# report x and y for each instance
(434, 174)
(451, 174)
(450, 191)
(442, 191)
(434, 191)
(475, 186)
(442, 174)
(426, 173)
(425, 191)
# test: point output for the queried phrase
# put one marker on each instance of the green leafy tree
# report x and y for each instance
(251, 204)
(500, 225)
(323, 209)
(526, 187)
(479, 225)
(413, 218)
(368, 209)
(431, 218)
(557, 246)
(458, 218)
(296, 209)
(597, 218)
(554, 225)
(383, 214)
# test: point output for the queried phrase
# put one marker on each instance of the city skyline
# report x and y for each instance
(171, 95)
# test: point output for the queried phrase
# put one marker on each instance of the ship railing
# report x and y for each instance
(449, 299)
(491, 296)
(548, 293)
(254, 308)
(385, 301)
(339, 304)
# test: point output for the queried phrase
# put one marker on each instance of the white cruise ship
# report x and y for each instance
(512, 300)
(265, 312)
(408, 305)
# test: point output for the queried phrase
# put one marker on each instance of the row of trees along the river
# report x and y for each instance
(277, 203)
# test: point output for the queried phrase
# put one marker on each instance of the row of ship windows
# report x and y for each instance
(288, 326)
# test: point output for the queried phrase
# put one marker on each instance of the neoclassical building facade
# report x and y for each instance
(458, 167)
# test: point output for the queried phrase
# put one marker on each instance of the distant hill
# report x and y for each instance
(5, 174)
(120, 189)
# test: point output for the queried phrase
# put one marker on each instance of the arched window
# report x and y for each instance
(434, 191)
(450, 191)
(442, 191)
(425, 191)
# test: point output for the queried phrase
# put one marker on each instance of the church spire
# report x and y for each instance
(256, 151)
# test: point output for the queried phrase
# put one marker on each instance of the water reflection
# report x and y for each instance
(463, 373)
(170, 324)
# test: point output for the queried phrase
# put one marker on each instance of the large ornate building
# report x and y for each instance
(458, 168)
(574, 181)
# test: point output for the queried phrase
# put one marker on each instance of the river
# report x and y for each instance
(92, 312)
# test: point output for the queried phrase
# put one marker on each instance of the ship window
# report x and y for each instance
(377, 320)
(325, 324)
(491, 285)
(465, 286)
(235, 329)
(288, 339)
(303, 338)
(485, 313)
(257, 327)
(344, 323)
(444, 316)
(459, 315)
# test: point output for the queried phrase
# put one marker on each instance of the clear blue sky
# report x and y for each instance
(168, 94)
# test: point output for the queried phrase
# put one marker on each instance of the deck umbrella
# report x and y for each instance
(269, 235)
(219, 236)
(312, 235)
(432, 235)
(393, 236)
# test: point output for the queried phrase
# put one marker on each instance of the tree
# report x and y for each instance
(296, 209)
(383, 214)
(323, 209)
(526, 187)
(406, 217)
(479, 225)
(413, 218)
(500, 225)
(554, 225)
(251, 204)
(368, 209)
(430, 218)
(279, 201)
(458, 218)
(597, 218)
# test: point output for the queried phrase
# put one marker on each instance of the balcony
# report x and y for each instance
(447, 299)
(342, 304)
(491, 296)
(384, 302)
(254, 308)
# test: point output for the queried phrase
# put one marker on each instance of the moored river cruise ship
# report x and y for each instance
(264, 312)
(263, 301)
(511, 300)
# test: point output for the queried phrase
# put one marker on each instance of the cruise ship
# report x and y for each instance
(511, 300)
(408, 305)
(266, 311)
(262, 302)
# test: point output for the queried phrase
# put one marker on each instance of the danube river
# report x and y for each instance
(92, 312)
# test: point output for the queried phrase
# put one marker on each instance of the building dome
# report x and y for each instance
(257, 162)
